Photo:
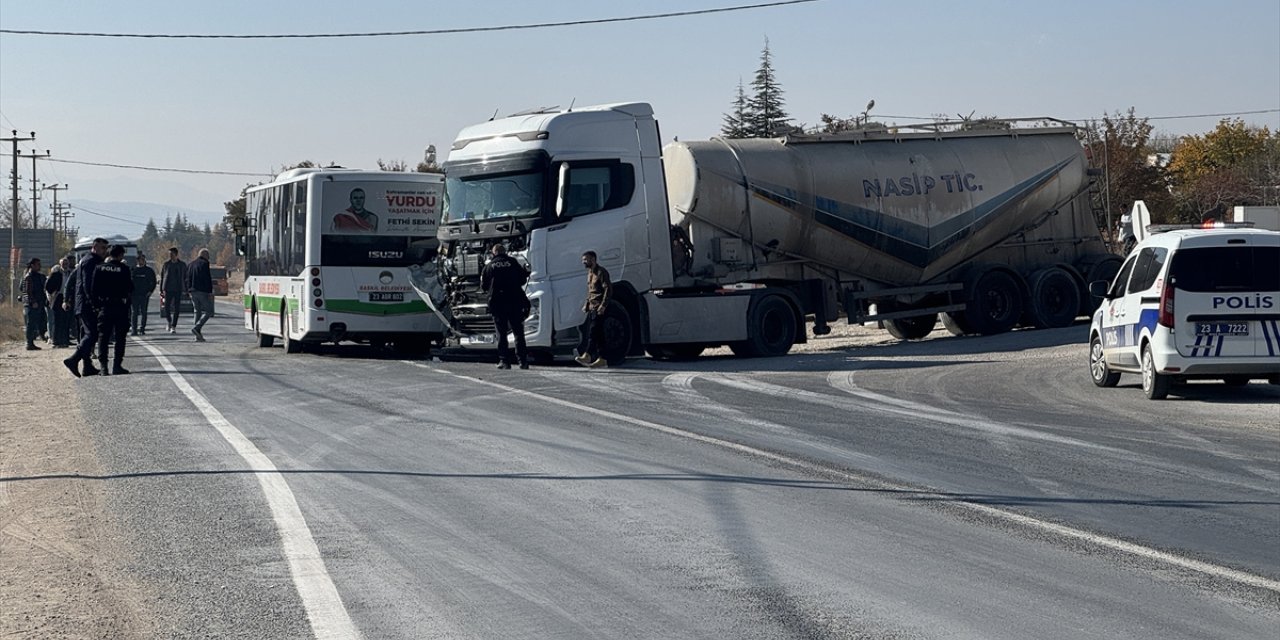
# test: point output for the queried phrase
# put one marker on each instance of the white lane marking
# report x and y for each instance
(325, 611)
(1107, 542)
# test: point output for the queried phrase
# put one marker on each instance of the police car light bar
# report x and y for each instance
(1208, 224)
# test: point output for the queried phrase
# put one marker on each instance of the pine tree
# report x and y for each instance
(767, 117)
(735, 122)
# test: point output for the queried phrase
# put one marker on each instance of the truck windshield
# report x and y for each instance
(480, 197)
(505, 186)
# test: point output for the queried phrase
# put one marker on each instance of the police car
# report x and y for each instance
(1191, 303)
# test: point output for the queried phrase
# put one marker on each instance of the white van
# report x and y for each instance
(1191, 304)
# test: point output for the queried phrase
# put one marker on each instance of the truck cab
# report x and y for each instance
(551, 185)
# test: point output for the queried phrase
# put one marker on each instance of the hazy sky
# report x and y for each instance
(255, 105)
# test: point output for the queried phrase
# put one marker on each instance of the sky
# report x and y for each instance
(253, 106)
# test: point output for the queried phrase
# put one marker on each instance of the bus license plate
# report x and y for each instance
(386, 296)
(1222, 328)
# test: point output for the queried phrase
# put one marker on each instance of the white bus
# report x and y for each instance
(327, 254)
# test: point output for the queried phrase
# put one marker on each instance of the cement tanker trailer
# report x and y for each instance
(736, 242)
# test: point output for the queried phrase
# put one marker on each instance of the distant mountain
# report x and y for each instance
(130, 218)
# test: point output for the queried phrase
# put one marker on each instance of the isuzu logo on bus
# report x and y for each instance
(1257, 301)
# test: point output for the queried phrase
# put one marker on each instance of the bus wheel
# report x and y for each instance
(771, 330)
(290, 345)
(617, 334)
(264, 340)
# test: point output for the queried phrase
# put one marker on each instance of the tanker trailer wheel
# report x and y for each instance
(617, 331)
(956, 323)
(1104, 268)
(771, 330)
(913, 328)
(1055, 298)
(995, 303)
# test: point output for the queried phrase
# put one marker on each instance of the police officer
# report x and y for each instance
(112, 289)
(504, 278)
(83, 307)
(144, 284)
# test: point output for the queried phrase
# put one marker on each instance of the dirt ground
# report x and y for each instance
(60, 563)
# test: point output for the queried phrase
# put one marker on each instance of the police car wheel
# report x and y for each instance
(1102, 375)
(1154, 384)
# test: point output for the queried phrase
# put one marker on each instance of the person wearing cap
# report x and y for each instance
(34, 303)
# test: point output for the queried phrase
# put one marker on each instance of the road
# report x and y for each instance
(951, 488)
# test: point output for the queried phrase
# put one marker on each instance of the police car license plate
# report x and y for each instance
(386, 296)
(1222, 328)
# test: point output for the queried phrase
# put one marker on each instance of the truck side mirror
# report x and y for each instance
(1099, 288)
(562, 188)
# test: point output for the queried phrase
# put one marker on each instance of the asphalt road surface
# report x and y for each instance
(952, 488)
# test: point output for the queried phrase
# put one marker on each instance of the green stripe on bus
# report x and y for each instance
(375, 308)
(270, 305)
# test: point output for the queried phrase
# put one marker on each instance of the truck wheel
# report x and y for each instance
(956, 323)
(1106, 269)
(1055, 298)
(1101, 374)
(675, 352)
(995, 303)
(617, 334)
(1154, 384)
(912, 328)
(771, 330)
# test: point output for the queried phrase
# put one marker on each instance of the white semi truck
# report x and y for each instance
(736, 242)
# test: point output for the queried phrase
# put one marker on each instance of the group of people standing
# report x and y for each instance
(503, 278)
(102, 300)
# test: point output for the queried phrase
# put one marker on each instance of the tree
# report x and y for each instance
(1232, 165)
(1120, 145)
(392, 165)
(735, 122)
(766, 116)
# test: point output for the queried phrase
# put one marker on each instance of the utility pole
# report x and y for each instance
(55, 188)
(13, 225)
(35, 193)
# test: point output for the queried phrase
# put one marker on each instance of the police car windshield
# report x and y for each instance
(1236, 268)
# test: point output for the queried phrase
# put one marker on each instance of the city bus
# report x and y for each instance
(326, 256)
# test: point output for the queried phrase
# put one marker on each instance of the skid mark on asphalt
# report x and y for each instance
(325, 611)
(1054, 529)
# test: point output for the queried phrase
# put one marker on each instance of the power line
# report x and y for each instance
(424, 32)
(1178, 117)
(105, 215)
(169, 169)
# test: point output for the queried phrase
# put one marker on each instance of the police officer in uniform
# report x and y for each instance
(82, 304)
(112, 289)
(504, 278)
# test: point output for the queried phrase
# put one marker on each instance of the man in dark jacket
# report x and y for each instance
(504, 278)
(59, 317)
(86, 315)
(200, 284)
(173, 283)
(34, 303)
(144, 284)
(112, 289)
